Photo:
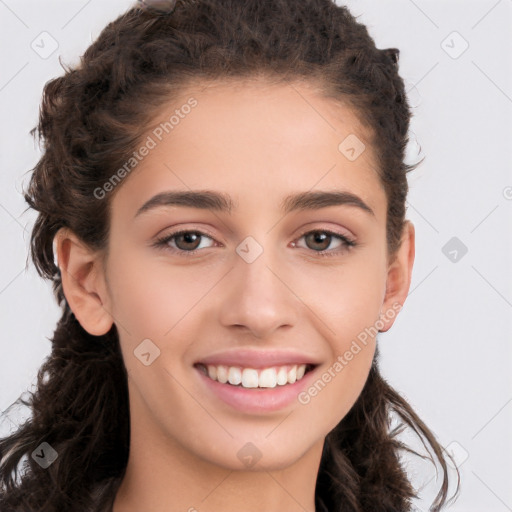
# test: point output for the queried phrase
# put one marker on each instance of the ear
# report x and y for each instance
(83, 282)
(399, 278)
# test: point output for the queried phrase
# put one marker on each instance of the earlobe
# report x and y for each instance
(399, 277)
(83, 282)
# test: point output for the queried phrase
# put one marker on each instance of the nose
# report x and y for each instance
(257, 297)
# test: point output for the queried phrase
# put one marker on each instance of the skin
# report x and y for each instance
(258, 143)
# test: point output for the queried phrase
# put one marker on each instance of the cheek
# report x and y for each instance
(160, 302)
(348, 300)
(151, 295)
(348, 296)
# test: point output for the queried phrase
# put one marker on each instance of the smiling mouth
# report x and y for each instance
(251, 378)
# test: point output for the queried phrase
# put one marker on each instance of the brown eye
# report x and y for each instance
(318, 240)
(187, 241)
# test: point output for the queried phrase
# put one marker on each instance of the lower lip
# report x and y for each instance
(257, 400)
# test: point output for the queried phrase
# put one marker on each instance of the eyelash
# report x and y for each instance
(163, 243)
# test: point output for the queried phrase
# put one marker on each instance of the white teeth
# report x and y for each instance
(268, 378)
(251, 378)
(212, 372)
(222, 374)
(234, 375)
(282, 376)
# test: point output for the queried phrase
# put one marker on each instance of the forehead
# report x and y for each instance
(294, 112)
(253, 139)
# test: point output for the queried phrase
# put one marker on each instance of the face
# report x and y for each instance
(258, 273)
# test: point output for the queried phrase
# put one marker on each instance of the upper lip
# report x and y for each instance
(257, 358)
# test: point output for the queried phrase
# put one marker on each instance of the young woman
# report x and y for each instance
(221, 208)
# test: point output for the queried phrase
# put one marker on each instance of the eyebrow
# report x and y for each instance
(220, 202)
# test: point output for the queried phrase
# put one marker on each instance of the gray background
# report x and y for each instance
(449, 352)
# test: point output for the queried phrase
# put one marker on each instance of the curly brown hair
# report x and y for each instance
(90, 119)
